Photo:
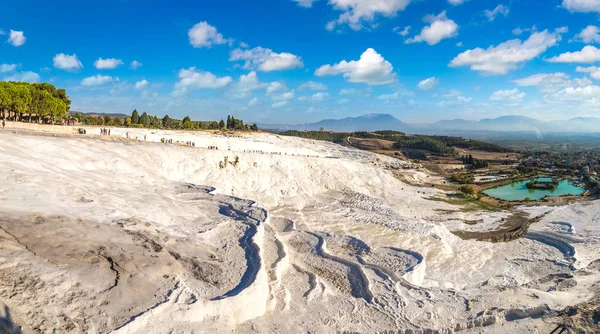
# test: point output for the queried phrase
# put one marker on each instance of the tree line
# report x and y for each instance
(437, 145)
(150, 121)
(476, 163)
(39, 100)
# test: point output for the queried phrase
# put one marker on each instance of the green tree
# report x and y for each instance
(187, 123)
(221, 124)
(467, 190)
(166, 121)
(144, 119)
(135, 117)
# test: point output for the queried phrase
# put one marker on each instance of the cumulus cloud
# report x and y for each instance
(203, 35)
(246, 85)
(16, 38)
(402, 32)
(499, 10)
(590, 34)
(586, 95)
(454, 101)
(107, 64)
(141, 84)
(371, 69)
(317, 97)
(312, 85)
(387, 97)
(429, 83)
(278, 91)
(512, 95)
(508, 55)
(305, 3)
(582, 6)
(190, 79)
(96, 80)
(356, 12)
(356, 92)
(135, 65)
(588, 54)
(67, 62)
(253, 102)
(594, 71)
(279, 104)
(440, 27)
(24, 76)
(266, 60)
(5, 68)
(551, 82)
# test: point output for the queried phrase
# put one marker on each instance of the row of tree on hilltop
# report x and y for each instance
(37, 101)
(149, 121)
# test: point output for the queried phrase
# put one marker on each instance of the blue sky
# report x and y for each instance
(294, 61)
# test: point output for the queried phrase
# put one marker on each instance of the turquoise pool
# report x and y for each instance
(517, 191)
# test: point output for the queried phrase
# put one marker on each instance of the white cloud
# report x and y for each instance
(460, 44)
(317, 97)
(67, 62)
(429, 83)
(279, 104)
(266, 60)
(24, 76)
(2, 32)
(356, 92)
(588, 54)
(253, 102)
(499, 10)
(96, 80)
(582, 6)
(190, 79)
(452, 93)
(107, 64)
(305, 3)
(402, 32)
(371, 69)
(312, 85)
(203, 35)
(508, 55)
(278, 91)
(392, 96)
(355, 12)
(456, 2)
(440, 27)
(586, 95)
(246, 85)
(5, 68)
(590, 34)
(453, 101)
(512, 95)
(518, 31)
(141, 84)
(16, 38)
(135, 65)
(551, 82)
(594, 71)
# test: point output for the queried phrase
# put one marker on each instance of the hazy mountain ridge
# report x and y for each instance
(509, 123)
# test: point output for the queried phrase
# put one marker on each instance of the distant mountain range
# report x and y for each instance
(513, 123)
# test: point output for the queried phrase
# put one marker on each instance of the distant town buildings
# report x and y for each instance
(585, 170)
